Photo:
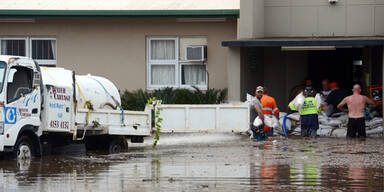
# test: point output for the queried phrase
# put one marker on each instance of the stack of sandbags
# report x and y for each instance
(334, 126)
(375, 126)
(292, 124)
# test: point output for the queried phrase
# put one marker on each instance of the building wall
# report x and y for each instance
(233, 74)
(251, 19)
(305, 18)
(116, 48)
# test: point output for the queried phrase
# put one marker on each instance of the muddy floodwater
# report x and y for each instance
(207, 162)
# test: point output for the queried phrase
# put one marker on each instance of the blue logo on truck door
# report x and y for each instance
(10, 115)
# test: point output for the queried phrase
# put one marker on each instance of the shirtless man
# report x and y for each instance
(356, 104)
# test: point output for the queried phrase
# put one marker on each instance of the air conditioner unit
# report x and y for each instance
(196, 53)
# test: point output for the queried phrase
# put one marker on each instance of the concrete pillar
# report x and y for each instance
(233, 73)
(251, 23)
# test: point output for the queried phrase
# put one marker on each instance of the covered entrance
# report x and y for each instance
(282, 65)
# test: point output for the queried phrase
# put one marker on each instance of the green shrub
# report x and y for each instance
(136, 100)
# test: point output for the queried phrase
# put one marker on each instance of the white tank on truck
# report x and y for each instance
(101, 92)
(45, 107)
(98, 91)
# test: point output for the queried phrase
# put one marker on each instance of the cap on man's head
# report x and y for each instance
(333, 85)
(260, 88)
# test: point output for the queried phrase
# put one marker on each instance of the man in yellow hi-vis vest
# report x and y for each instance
(309, 111)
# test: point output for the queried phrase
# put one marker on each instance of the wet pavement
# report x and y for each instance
(207, 162)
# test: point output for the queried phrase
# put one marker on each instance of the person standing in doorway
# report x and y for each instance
(269, 108)
(325, 89)
(356, 104)
(334, 98)
(308, 113)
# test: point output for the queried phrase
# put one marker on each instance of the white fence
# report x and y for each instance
(204, 118)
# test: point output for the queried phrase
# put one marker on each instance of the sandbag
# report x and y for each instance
(332, 122)
(376, 131)
(323, 120)
(257, 122)
(282, 114)
(374, 123)
(324, 132)
(269, 121)
(296, 131)
(339, 133)
(294, 116)
(288, 123)
(321, 126)
(298, 101)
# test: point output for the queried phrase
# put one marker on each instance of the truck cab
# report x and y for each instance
(39, 110)
(20, 106)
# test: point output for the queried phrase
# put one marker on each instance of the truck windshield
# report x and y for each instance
(2, 74)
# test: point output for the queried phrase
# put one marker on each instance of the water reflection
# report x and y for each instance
(235, 164)
(311, 165)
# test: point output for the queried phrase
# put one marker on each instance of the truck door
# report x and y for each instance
(22, 100)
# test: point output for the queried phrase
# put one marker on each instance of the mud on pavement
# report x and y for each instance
(207, 162)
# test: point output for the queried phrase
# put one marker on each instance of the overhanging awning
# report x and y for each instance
(278, 42)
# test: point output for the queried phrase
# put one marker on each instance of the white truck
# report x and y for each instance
(45, 107)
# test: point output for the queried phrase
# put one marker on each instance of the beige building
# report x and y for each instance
(136, 44)
(283, 42)
(143, 44)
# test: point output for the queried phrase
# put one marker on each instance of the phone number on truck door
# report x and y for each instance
(59, 124)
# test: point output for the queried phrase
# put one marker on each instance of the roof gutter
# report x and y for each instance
(224, 13)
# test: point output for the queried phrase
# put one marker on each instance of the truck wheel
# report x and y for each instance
(91, 144)
(24, 148)
(117, 145)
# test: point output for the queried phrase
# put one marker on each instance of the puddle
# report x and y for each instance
(208, 162)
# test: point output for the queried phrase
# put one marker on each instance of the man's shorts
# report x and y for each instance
(309, 125)
(356, 127)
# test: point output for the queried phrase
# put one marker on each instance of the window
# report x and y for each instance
(19, 83)
(162, 56)
(193, 74)
(13, 47)
(164, 69)
(43, 50)
(2, 74)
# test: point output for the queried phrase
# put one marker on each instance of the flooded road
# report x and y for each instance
(207, 162)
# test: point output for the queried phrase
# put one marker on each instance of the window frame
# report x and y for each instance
(151, 62)
(4, 77)
(50, 62)
(17, 38)
(9, 101)
(201, 87)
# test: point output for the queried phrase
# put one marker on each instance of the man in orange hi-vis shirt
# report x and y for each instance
(269, 108)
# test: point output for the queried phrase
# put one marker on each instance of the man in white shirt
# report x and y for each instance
(326, 90)
(255, 110)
